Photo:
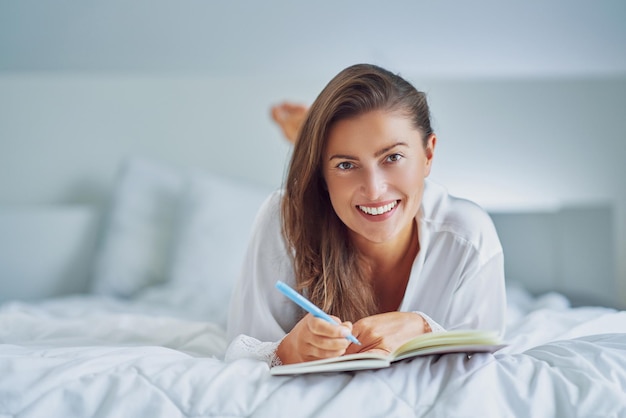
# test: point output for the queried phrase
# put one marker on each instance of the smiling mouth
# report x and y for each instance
(378, 210)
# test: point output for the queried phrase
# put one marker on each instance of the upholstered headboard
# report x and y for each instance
(50, 251)
(570, 250)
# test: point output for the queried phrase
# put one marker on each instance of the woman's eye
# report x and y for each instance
(344, 165)
(394, 157)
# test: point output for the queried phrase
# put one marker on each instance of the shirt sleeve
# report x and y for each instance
(479, 301)
(434, 326)
(458, 277)
(259, 316)
(244, 346)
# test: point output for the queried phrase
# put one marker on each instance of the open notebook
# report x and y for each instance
(457, 341)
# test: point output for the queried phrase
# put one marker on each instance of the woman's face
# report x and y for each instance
(374, 166)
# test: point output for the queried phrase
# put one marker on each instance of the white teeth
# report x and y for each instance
(378, 210)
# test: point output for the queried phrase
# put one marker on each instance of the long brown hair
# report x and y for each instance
(328, 268)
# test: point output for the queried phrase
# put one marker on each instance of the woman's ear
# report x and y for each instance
(429, 151)
(430, 147)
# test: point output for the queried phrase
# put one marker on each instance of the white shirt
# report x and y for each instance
(456, 281)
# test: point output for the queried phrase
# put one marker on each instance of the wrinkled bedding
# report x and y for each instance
(92, 356)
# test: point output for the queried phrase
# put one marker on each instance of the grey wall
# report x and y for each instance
(528, 99)
(314, 38)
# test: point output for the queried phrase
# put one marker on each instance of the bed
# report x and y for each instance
(144, 336)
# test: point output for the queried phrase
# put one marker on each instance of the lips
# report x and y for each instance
(378, 210)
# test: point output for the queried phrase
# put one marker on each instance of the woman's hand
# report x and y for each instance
(385, 332)
(313, 338)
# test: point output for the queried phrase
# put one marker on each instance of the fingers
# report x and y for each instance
(322, 328)
(314, 352)
(313, 338)
(386, 332)
(325, 339)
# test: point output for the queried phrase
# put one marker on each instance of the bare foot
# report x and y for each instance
(289, 116)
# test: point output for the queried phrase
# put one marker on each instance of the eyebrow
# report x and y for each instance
(376, 154)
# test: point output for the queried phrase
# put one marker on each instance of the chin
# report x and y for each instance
(376, 237)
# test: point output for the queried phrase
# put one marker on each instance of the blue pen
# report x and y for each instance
(309, 307)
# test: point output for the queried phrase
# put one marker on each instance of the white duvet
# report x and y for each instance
(84, 356)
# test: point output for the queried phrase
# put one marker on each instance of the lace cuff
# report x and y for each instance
(434, 327)
(244, 346)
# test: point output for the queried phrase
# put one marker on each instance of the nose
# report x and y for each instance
(374, 184)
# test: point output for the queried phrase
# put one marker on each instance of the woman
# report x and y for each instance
(362, 233)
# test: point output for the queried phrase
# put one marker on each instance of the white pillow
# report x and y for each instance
(135, 247)
(216, 219)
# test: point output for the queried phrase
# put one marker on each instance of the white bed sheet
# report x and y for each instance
(92, 356)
